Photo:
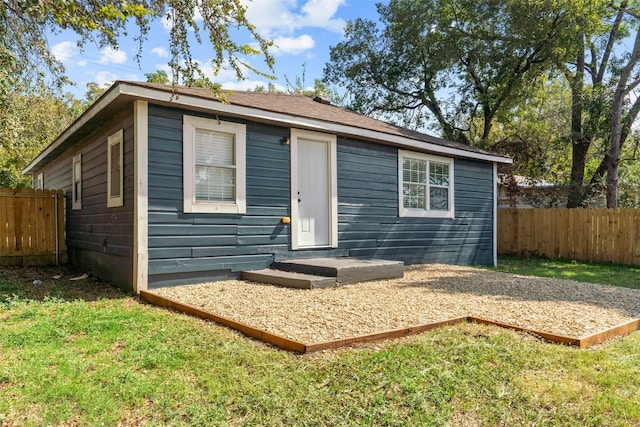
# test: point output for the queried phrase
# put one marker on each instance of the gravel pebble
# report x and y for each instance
(427, 293)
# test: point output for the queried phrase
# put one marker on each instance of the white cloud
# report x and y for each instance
(322, 11)
(110, 55)
(104, 78)
(64, 51)
(160, 52)
(279, 17)
(292, 45)
(166, 23)
(165, 68)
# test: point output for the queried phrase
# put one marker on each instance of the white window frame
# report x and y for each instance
(76, 190)
(427, 213)
(39, 185)
(115, 200)
(191, 205)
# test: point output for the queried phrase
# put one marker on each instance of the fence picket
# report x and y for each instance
(601, 235)
(30, 227)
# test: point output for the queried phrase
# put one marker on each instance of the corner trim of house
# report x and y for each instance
(495, 214)
(141, 192)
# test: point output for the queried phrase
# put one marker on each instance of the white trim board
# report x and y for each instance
(140, 194)
(495, 214)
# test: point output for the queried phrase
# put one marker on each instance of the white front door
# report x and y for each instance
(313, 190)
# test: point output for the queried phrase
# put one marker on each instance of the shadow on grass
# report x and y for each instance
(52, 283)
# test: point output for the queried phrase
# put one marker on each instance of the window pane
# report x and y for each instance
(413, 196)
(414, 170)
(215, 184)
(214, 148)
(114, 191)
(439, 174)
(439, 199)
(77, 170)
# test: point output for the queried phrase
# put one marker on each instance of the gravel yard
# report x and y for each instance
(427, 293)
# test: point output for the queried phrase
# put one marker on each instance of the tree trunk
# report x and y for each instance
(579, 151)
(582, 135)
(616, 124)
(597, 176)
(579, 145)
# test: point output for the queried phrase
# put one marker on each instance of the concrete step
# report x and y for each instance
(345, 270)
(289, 279)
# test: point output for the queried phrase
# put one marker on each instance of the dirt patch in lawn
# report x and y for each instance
(427, 293)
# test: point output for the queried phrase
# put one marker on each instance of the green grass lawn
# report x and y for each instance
(607, 274)
(83, 353)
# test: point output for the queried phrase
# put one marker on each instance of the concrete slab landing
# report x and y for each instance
(312, 273)
(289, 279)
(345, 270)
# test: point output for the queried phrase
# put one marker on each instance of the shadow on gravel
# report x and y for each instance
(510, 286)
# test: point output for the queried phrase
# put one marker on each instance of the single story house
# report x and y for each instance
(165, 188)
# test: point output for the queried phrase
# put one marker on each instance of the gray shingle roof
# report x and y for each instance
(306, 107)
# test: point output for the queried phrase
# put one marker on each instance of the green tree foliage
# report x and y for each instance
(33, 113)
(93, 92)
(629, 78)
(30, 118)
(588, 75)
(24, 25)
(453, 64)
(601, 106)
(159, 76)
(299, 86)
(535, 133)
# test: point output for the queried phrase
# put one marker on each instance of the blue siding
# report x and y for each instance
(98, 237)
(368, 221)
(187, 247)
(192, 247)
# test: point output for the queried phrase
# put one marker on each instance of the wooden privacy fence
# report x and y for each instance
(600, 235)
(32, 227)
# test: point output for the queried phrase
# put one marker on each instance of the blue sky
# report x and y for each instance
(303, 31)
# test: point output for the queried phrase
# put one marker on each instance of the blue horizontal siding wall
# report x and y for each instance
(194, 247)
(368, 222)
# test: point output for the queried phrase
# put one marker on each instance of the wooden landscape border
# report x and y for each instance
(288, 344)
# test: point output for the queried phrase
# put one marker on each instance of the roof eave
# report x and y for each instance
(107, 98)
(303, 122)
(189, 101)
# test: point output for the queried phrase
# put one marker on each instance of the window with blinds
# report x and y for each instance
(214, 166)
(426, 185)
